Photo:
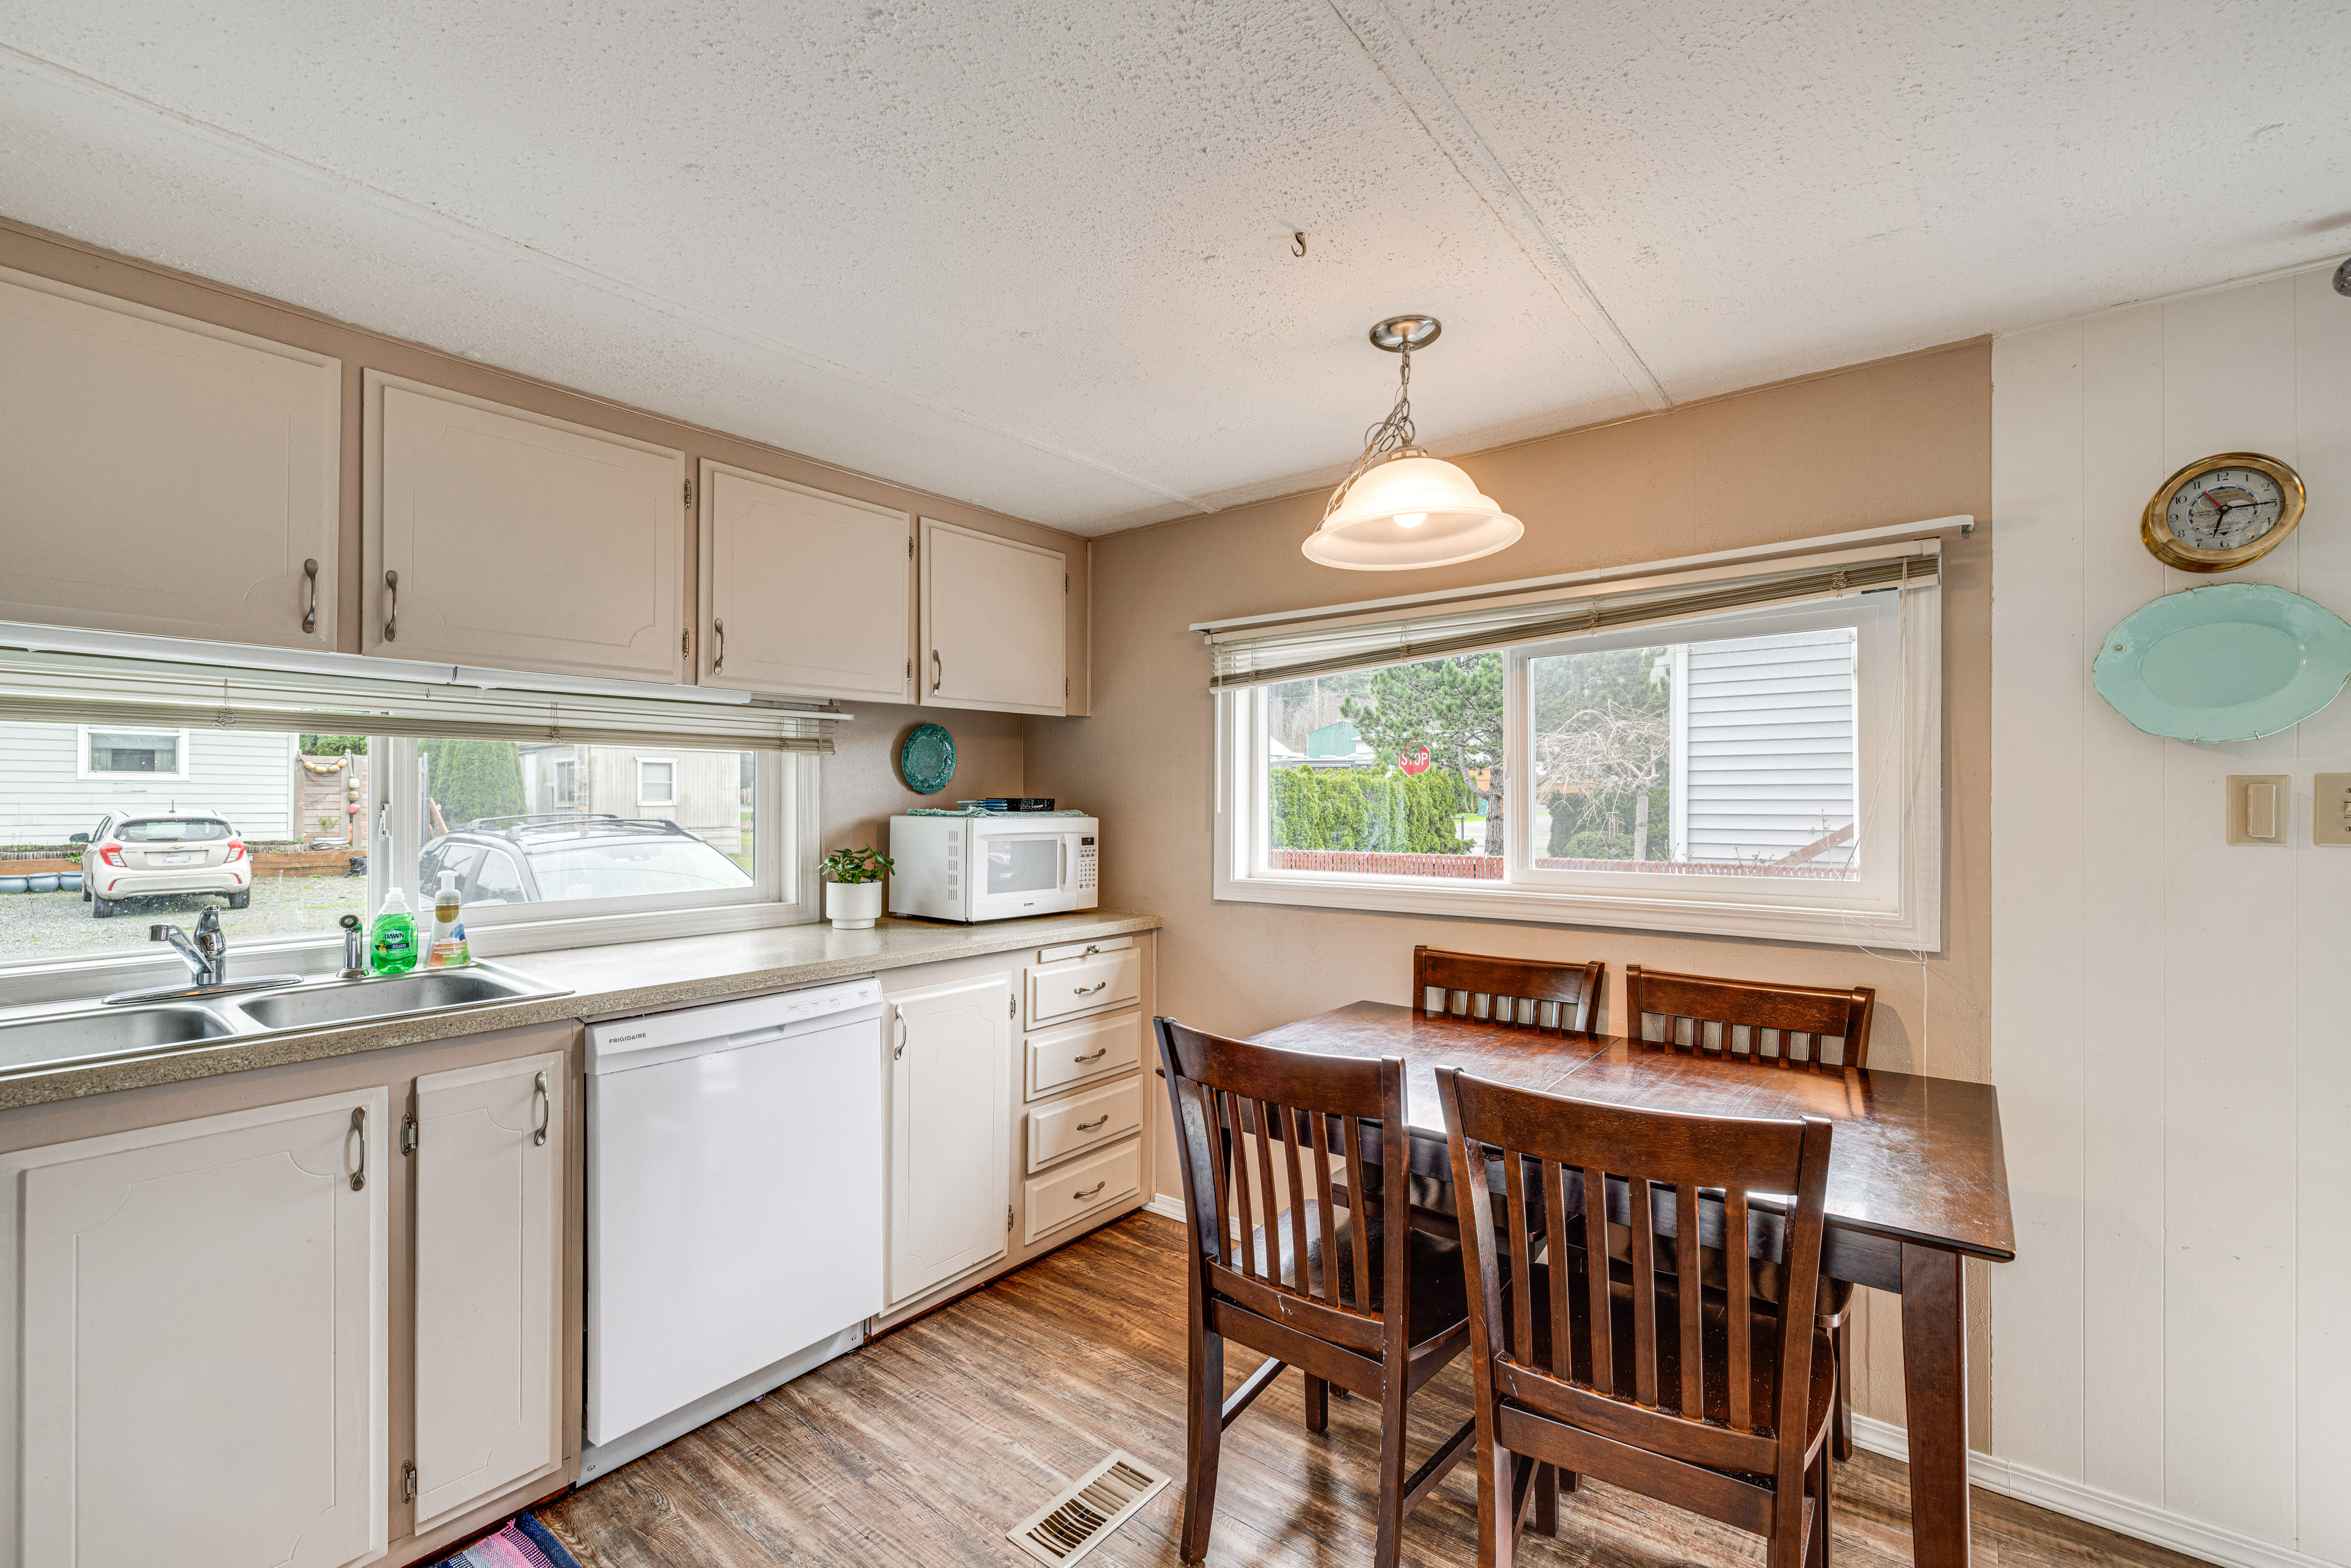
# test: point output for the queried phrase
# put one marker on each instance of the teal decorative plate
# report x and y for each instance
(928, 760)
(2234, 661)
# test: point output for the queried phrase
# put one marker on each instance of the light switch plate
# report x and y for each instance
(2257, 808)
(2330, 809)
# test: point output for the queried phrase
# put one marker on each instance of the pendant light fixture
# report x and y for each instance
(1399, 508)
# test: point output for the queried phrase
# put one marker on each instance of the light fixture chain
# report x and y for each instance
(1386, 437)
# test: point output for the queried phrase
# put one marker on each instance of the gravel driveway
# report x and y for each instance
(59, 925)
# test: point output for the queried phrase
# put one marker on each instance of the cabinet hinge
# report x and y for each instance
(689, 498)
(686, 644)
(1065, 582)
(408, 1480)
(909, 669)
(408, 1134)
(1012, 1006)
(910, 552)
(1008, 1216)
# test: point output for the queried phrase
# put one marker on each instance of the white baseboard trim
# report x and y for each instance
(1166, 1206)
(2127, 1516)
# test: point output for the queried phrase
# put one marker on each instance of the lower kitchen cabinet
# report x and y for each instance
(199, 1324)
(950, 1131)
(489, 1154)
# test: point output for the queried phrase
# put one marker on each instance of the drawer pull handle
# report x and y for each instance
(1100, 1121)
(1097, 1056)
(1093, 1189)
(1088, 990)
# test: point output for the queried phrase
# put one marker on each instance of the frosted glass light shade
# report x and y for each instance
(1455, 521)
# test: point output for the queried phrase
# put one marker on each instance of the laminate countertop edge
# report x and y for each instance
(673, 972)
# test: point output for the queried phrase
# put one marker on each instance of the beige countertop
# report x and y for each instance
(606, 981)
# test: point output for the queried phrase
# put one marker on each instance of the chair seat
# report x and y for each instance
(1762, 1328)
(1440, 1296)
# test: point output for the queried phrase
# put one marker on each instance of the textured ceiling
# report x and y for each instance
(1038, 256)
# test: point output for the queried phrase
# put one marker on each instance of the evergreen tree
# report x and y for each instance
(1454, 707)
(470, 779)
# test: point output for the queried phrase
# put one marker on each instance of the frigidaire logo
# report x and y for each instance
(624, 1038)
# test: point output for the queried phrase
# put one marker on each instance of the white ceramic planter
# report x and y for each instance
(852, 906)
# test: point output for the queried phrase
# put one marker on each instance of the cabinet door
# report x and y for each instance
(162, 474)
(950, 1131)
(803, 592)
(489, 1260)
(520, 542)
(993, 620)
(198, 1320)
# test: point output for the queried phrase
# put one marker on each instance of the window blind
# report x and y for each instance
(58, 688)
(1255, 656)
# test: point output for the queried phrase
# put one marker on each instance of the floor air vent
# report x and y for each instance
(1074, 1522)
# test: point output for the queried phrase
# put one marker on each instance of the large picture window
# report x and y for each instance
(1769, 769)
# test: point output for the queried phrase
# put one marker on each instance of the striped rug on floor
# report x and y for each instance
(523, 1543)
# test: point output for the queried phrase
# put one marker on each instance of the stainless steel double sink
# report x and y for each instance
(88, 1030)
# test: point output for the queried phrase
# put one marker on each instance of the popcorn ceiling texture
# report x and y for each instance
(1039, 257)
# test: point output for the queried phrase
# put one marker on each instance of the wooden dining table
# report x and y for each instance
(1916, 1182)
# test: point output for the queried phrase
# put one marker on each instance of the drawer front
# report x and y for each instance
(1077, 1052)
(1084, 986)
(1069, 1126)
(1086, 1187)
(1068, 951)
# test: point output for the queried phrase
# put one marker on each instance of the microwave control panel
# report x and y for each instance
(1088, 871)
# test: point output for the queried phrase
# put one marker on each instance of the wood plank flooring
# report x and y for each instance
(920, 1449)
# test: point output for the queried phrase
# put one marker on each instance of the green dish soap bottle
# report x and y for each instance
(392, 940)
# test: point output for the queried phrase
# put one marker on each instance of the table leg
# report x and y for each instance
(1935, 1389)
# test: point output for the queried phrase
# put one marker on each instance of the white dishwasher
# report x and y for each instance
(735, 1206)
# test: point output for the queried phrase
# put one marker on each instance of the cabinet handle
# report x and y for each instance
(1093, 1189)
(391, 607)
(901, 1051)
(1100, 1121)
(1088, 990)
(936, 670)
(719, 634)
(543, 1110)
(1097, 1056)
(358, 1126)
(310, 584)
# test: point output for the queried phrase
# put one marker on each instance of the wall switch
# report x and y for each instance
(2330, 809)
(2257, 807)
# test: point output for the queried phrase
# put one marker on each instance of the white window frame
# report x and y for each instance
(784, 888)
(82, 770)
(1897, 902)
(668, 762)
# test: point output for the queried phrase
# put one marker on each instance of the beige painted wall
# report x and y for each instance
(862, 789)
(1893, 442)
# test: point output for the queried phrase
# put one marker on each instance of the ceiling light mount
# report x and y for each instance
(1403, 334)
(1399, 508)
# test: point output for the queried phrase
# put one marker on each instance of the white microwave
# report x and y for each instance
(997, 867)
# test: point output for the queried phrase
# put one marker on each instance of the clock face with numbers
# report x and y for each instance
(2223, 512)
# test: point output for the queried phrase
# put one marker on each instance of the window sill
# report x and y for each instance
(1916, 931)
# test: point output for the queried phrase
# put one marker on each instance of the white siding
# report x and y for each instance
(245, 777)
(1765, 764)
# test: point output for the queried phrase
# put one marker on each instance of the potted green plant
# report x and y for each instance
(853, 890)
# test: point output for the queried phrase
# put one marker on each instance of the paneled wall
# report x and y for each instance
(2172, 1017)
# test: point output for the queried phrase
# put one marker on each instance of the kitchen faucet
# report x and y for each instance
(207, 956)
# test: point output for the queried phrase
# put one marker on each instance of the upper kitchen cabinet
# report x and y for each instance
(993, 622)
(161, 474)
(803, 593)
(498, 536)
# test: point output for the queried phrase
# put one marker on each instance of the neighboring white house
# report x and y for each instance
(1763, 758)
(58, 780)
(701, 791)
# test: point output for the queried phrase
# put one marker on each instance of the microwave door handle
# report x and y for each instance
(1061, 865)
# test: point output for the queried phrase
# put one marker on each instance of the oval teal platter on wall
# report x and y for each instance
(928, 760)
(2233, 661)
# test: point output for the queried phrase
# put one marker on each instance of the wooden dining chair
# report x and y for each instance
(1653, 1383)
(1319, 1282)
(1745, 1012)
(1514, 991)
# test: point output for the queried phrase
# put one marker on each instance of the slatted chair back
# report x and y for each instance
(1669, 1406)
(1254, 1122)
(1525, 993)
(1790, 1025)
